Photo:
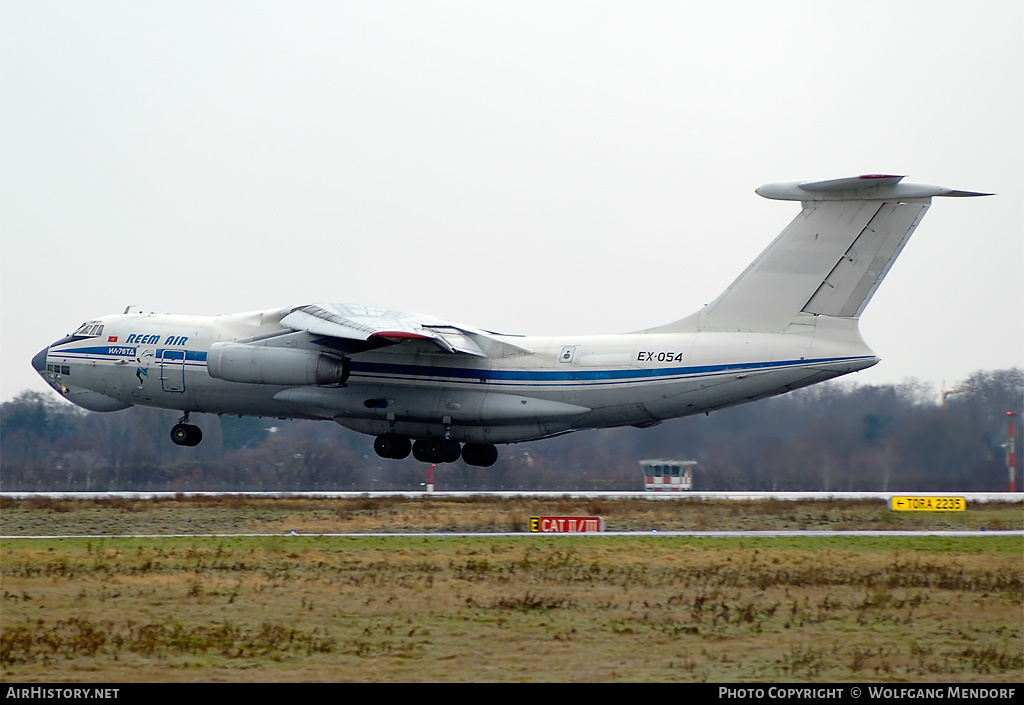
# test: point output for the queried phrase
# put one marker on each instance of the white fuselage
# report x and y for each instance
(533, 388)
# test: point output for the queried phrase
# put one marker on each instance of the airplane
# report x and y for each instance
(443, 391)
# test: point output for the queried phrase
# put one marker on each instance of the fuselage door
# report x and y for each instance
(172, 370)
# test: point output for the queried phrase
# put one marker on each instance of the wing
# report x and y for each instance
(369, 324)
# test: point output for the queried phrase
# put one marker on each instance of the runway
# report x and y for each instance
(652, 530)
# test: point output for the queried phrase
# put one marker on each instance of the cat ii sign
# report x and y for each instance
(566, 525)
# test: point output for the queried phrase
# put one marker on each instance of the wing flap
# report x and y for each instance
(456, 339)
(355, 322)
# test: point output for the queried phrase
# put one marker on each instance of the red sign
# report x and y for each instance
(566, 525)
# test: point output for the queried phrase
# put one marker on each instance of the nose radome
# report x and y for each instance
(39, 359)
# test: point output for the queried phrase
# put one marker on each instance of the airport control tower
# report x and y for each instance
(667, 475)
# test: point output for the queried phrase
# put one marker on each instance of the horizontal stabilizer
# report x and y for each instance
(869, 187)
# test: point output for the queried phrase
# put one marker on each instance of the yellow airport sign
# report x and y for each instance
(927, 504)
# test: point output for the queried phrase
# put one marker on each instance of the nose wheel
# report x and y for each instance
(185, 434)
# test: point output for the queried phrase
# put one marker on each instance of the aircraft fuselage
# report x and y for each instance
(414, 389)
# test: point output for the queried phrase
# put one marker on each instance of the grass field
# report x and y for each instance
(470, 513)
(530, 608)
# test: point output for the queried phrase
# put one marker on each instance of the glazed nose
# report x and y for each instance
(39, 359)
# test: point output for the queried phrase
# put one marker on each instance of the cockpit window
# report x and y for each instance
(90, 328)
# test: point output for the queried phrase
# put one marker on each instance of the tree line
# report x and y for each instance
(831, 437)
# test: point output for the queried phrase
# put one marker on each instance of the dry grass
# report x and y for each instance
(531, 608)
(472, 513)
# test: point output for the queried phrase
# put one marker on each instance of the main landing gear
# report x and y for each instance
(185, 434)
(391, 445)
(435, 450)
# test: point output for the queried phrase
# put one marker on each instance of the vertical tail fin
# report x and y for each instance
(830, 260)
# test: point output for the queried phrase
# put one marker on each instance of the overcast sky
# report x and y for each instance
(526, 167)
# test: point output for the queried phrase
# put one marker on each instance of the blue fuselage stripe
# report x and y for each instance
(483, 374)
(105, 352)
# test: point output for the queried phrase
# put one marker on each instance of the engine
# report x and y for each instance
(259, 364)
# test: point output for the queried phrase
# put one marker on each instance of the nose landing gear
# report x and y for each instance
(185, 434)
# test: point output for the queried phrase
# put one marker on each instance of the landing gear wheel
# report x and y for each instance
(184, 434)
(450, 451)
(393, 446)
(482, 455)
(436, 450)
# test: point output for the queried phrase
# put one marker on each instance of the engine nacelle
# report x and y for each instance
(259, 364)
